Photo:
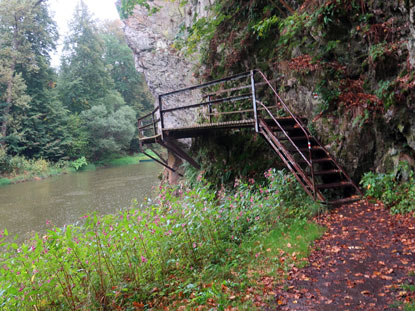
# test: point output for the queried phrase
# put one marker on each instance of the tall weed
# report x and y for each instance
(170, 247)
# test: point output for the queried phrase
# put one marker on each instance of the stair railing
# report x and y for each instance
(309, 160)
(151, 124)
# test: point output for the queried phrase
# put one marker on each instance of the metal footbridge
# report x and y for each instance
(248, 100)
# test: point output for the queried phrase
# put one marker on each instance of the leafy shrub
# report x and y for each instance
(5, 166)
(391, 190)
(78, 163)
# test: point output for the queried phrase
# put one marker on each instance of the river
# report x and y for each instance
(35, 206)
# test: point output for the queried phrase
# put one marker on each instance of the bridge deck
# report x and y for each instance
(198, 130)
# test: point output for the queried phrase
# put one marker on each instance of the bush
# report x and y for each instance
(5, 166)
(394, 192)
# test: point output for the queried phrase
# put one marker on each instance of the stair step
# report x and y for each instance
(285, 127)
(321, 160)
(335, 185)
(326, 172)
(344, 201)
(296, 138)
(305, 149)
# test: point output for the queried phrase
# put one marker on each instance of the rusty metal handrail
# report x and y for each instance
(282, 130)
(299, 123)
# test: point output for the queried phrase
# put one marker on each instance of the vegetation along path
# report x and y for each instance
(364, 261)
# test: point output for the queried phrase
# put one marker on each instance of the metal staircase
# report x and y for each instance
(312, 165)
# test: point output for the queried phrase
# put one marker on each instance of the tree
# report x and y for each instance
(84, 78)
(110, 131)
(119, 58)
(18, 20)
(86, 85)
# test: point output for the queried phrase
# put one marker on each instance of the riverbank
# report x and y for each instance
(23, 170)
(190, 247)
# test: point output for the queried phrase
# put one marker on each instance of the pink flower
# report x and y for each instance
(143, 259)
(194, 245)
(257, 254)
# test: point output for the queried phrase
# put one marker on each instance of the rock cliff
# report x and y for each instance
(373, 45)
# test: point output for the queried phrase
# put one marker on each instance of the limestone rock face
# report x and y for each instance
(411, 40)
(151, 36)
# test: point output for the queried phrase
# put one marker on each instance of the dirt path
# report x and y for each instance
(359, 264)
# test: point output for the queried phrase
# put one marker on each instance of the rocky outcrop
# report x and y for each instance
(411, 39)
(151, 37)
(387, 136)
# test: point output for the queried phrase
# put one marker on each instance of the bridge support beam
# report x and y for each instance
(175, 149)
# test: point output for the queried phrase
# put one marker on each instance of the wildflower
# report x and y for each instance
(194, 245)
(69, 250)
(143, 259)
(257, 254)
(47, 222)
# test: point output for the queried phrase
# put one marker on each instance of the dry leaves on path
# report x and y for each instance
(359, 264)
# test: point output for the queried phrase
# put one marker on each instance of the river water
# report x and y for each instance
(36, 205)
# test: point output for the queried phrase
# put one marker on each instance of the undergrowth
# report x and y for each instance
(395, 190)
(190, 246)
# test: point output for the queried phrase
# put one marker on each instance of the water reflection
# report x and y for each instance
(26, 207)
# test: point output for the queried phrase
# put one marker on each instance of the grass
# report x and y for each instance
(191, 247)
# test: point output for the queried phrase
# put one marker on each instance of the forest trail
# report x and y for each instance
(360, 263)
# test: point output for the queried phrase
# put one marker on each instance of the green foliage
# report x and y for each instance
(127, 6)
(118, 58)
(79, 163)
(185, 239)
(84, 78)
(263, 28)
(328, 93)
(194, 38)
(376, 51)
(110, 130)
(385, 93)
(395, 193)
(17, 168)
(291, 29)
